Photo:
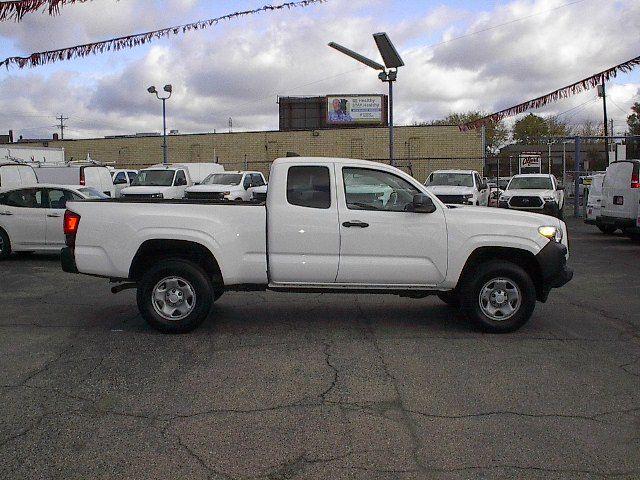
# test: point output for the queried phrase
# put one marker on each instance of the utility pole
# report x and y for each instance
(62, 125)
(603, 93)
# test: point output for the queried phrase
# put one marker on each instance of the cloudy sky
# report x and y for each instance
(237, 69)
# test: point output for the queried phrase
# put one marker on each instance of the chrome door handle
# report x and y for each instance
(54, 215)
(355, 223)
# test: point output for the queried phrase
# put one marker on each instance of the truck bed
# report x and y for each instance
(112, 232)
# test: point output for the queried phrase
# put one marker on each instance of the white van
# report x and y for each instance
(621, 199)
(14, 174)
(169, 181)
(89, 175)
(594, 198)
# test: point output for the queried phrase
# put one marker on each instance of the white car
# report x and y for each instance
(122, 179)
(594, 198)
(227, 185)
(533, 192)
(31, 216)
(329, 225)
(462, 187)
(621, 199)
(168, 181)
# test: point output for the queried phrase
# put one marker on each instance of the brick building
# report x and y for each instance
(419, 149)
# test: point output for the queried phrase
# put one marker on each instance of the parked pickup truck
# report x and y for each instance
(313, 235)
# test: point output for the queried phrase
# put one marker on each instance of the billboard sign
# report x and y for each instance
(354, 109)
(530, 163)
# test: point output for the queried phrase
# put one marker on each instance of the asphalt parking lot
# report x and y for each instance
(279, 386)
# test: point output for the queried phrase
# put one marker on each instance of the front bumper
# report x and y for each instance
(552, 260)
(68, 260)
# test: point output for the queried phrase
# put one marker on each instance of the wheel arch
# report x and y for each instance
(523, 258)
(156, 249)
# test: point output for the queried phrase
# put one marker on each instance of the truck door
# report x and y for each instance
(302, 233)
(380, 242)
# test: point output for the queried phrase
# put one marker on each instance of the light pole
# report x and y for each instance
(388, 72)
(169, 90)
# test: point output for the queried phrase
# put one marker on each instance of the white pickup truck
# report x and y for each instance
(329, 225)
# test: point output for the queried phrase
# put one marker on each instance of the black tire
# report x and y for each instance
(194, 280)
(518, 280)
(450, 298)
(5, 245)
(607, 229)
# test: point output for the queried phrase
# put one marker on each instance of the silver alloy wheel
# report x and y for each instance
(500, 299)
(173, 298)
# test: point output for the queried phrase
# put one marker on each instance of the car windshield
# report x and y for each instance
(92, 193)
(452, 179)
(154, 178)
(530, 183)
(223, 179)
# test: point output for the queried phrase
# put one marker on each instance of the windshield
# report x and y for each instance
(154, 178)
(530, 183)
(92, 193)
(223, 179)
(451, 179)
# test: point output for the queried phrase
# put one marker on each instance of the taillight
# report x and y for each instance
(635, 179)
(70, 224)
(82, 179)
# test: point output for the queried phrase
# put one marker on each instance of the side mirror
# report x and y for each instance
(423, 204)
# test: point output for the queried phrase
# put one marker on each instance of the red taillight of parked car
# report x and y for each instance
(635, 179)
(71, 222)
(83, 181)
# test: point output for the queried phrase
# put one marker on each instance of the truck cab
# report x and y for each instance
(461, 187)
(161, 181)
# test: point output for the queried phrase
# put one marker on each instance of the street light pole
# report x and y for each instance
(169, 90)
(388, 73)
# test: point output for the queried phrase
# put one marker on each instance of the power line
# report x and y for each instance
(62, 125)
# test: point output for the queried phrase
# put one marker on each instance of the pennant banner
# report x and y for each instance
(130, 41)
(19, 8)
(565, 92)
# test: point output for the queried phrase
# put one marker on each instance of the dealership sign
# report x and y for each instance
(354, 109)
(530, 163)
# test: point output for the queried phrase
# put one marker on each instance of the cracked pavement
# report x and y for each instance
(276, 386)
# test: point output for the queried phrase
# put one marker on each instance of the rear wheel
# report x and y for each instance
(498, 296)
(607, 229)
(5, 245)
(175, 296)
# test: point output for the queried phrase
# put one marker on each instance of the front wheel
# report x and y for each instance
(498, 296)
(175, 296)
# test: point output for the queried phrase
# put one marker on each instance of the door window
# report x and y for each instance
(120, 178)
(58, 199)
(257, 179)
(368, 189)
(132, 176)
(309, 187)
(26, 198)
(246, 183)
(181, 178)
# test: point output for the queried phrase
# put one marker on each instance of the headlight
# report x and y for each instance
(226, 194)
(157, 195)
(549, 199)
(504, 198)
(552, 233)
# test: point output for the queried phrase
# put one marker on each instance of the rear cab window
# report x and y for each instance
(309, 186)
